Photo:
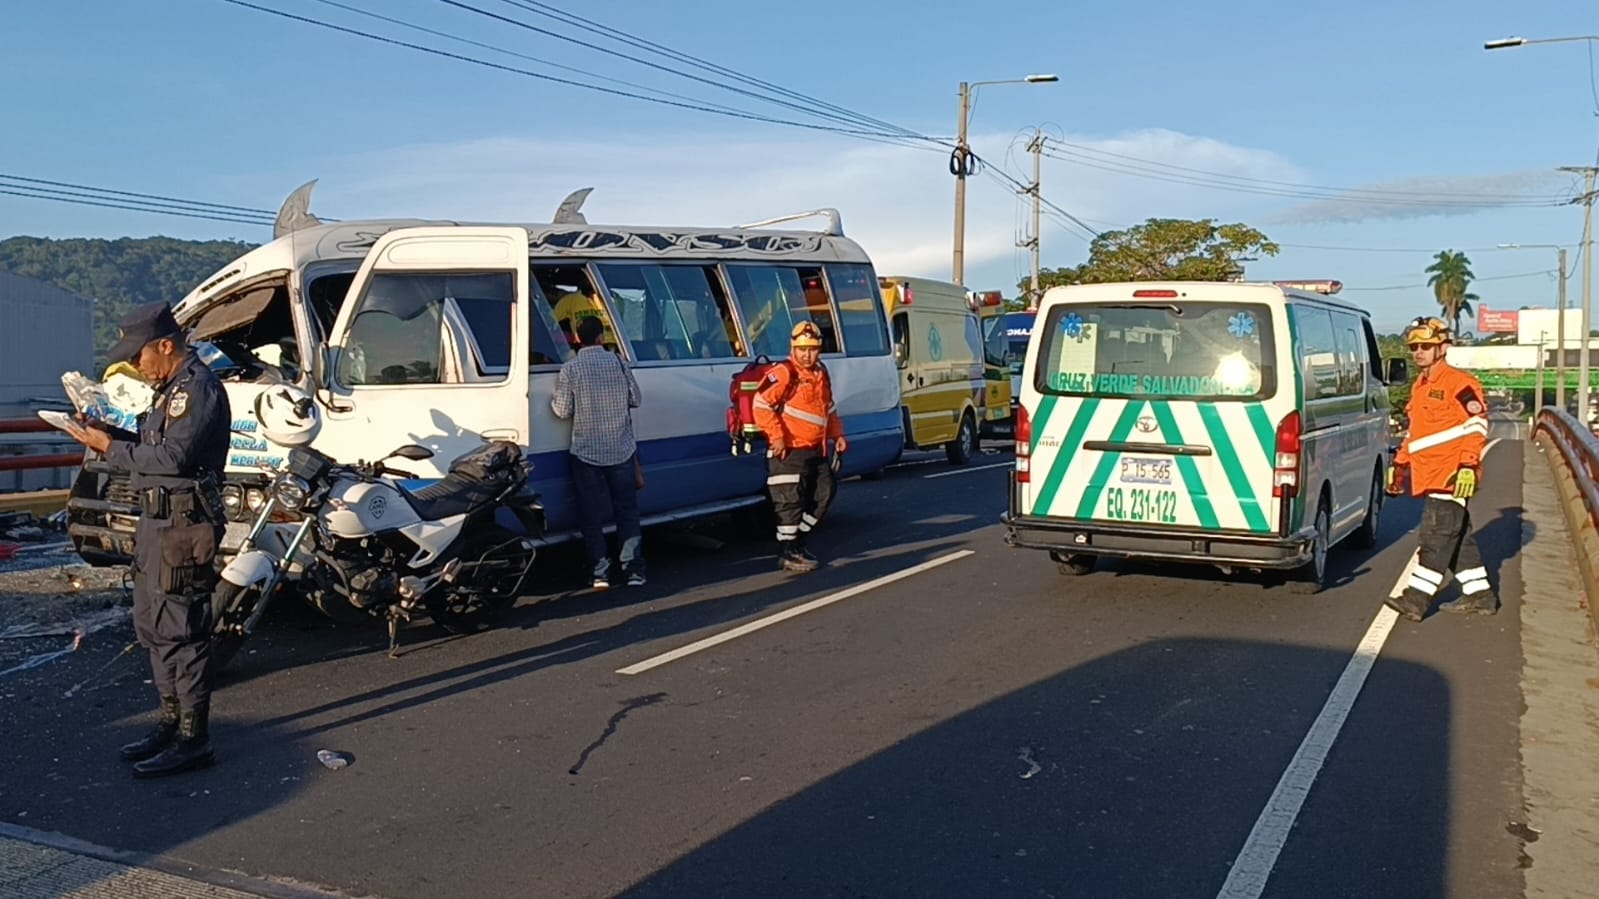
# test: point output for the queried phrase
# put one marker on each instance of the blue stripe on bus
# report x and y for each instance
(681, 472)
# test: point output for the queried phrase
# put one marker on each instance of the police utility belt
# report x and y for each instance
(204, 500)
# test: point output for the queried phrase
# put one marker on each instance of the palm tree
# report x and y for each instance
(1450, 283)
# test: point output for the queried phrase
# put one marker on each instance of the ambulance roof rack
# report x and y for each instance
(1327, 287)
(835, 223)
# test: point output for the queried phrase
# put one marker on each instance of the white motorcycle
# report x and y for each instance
(356, 544)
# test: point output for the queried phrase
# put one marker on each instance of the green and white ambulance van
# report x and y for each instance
(1241, 425)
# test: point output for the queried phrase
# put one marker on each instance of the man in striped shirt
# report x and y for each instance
(597, 392)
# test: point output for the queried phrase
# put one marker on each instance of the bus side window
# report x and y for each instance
(773, 298)
(571, 296)
(860, 309)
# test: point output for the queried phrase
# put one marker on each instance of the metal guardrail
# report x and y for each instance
(28, 462)
(1577, 478)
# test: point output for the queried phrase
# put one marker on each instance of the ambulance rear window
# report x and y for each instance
(1181, 350)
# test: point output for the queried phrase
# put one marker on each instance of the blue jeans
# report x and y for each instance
(608, 490)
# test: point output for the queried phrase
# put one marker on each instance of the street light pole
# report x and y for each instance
(960, 165)
(1585, 342)
(1585, 321)
(1560, 316)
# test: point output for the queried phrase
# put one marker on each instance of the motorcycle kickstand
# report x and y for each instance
(394, 636)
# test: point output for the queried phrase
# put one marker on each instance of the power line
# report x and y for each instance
(569, 18)
(553, 78)
(1124, 159)
(497, 49)
(1461, 201)
(125, 193)
(458, 4)
(130, 206)
(1473, 280)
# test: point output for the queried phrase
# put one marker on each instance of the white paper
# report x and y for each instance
(58, 419)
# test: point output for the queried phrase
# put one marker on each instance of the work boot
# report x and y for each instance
(795, 558)
(164, 732)
(191, 752)
(1412, 604)
(1483, 602)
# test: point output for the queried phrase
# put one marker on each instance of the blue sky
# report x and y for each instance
(205, 100)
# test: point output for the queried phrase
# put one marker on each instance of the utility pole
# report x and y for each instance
(1560, 341)
(960, 165)
(1586, 320)
(1035, 190)
(1538, 404)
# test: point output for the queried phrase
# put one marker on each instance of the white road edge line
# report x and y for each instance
(1254, 864)
(945, 474)
(813, 605)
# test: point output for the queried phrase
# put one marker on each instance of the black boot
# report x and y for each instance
(164, 732)
(1412, 604)
(1483, 602)
(793, 557)
(191, 752)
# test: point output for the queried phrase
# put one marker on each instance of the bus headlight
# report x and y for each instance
(254, 498)
(233, 501)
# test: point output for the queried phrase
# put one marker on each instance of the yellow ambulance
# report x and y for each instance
(938, 347)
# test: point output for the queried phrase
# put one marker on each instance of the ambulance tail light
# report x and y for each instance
(906, 295)
(1152, 293)
(1024, 446)
(1285, 472)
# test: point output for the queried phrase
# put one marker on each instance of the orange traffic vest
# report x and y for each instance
(807, 418)
(1448, 428)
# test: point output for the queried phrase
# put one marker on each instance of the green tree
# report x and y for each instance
(1451, 285)
(118, 274)
(1164, 250)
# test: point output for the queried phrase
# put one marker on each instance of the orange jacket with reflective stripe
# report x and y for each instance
(808, 418)
(1448, 427)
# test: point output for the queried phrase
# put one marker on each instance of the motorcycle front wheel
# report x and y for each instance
(468, 613)
(231, 606)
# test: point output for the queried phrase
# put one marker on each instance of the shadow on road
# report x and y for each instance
(1138, 774)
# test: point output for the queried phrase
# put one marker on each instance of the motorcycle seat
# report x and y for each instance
(454, 494)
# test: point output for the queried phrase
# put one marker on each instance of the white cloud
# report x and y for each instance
(1411, 198)
(897, 202)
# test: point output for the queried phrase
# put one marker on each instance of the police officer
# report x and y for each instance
(1442, 456)
(176, 463)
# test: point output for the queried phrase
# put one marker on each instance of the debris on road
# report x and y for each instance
(331, 760)
(44, 658)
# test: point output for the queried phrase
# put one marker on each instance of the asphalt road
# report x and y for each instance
(981, 727)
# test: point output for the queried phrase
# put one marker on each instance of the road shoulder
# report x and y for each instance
(1560, 685)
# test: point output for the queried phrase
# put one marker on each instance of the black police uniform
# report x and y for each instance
(176, 463)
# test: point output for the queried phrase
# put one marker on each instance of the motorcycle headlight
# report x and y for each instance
(254, 498)
(290, 491)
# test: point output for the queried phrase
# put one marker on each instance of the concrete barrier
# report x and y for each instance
(1573, 455)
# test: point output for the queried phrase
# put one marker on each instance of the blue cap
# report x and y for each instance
(142, 325)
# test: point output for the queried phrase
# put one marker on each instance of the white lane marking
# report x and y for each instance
(1253, 866)
(1415, 557)
(768, 621)
(945, 474)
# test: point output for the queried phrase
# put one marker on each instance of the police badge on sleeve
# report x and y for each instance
(179, 404)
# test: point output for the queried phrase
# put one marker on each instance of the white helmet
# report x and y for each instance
(288, 415)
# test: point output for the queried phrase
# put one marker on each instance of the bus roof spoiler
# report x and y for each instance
(835, 223)
(295, 213)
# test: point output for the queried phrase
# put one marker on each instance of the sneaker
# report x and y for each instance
(636, 579)
(601, 583)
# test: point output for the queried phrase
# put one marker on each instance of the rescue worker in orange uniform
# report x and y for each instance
(1443, 458)
(805, 439)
